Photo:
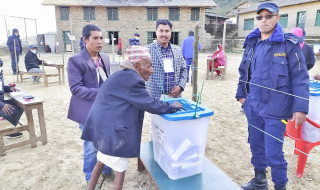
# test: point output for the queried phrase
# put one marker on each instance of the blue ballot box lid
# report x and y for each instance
(188, 110)
(314, 88)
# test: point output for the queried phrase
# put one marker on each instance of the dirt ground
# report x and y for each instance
(58, 165)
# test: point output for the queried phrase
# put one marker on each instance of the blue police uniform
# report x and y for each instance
(275, 63)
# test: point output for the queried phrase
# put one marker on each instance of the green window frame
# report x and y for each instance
(248, 24)
(283, 20)
(195, 14)
(64, 13)
(113, 13)
(89, 13)
(318, 18)
(152, 14)
(115, 35)
(174, 38)
(301, 19)
(150, 37)
(174, 14)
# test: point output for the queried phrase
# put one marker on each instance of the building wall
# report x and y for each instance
(310, 28)
(131, 20)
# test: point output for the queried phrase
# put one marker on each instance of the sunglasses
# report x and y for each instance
(267, 17)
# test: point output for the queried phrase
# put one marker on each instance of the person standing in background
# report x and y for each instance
(135, 41)
(187, 52)
(15, 48)
(306, 48)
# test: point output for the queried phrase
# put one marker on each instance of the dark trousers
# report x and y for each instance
(13, 61)
(266, 150)
(189, 63)
(15, 116)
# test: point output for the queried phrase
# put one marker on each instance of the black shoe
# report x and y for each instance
(14, 135)
(259, 182)
(276, 188)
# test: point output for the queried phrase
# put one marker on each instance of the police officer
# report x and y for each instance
(272, 67)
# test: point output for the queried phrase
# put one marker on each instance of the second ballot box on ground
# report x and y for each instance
(309, 132)
(179, 139)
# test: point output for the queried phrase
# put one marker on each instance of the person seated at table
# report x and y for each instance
(47, 48)
(218, 58)
(122, 101)
(32, 62)
(8, 109)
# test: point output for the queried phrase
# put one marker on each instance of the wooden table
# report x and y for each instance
(27, 106)
(60, 68)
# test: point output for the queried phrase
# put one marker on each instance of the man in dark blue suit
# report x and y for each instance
(114, 124)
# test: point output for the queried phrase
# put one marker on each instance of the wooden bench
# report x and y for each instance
(211, 178)
(44, 75)
(6, 128)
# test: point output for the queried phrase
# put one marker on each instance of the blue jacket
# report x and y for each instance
(15, 38)
(187, 47)
(309, 55)
(31, 60)
(286, 71)
(5, 88)
(114, 124)
(134, 42)
(82, 44)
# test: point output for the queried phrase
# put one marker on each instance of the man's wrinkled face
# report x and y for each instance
(268, 22)
(95, 41)
(163, 34)
(144, 68)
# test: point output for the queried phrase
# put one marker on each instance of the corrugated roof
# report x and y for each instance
(132, 3)
(280, 3)
(215, 15)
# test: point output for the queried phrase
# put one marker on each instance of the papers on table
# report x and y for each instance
(16, 93)
(49, 62)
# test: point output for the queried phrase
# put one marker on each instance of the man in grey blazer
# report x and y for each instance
(87, 70)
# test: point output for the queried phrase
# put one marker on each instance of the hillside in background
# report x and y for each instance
(227, 5)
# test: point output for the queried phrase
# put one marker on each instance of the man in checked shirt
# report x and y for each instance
(170, 72)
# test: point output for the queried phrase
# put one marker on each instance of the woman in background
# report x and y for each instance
(218, 59)
(306, 48)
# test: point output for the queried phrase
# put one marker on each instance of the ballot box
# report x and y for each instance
(179, 139)
(309, 132)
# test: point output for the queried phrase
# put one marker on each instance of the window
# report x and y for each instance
(284, 20)
(112, 13)
(174, 38)
(174, 14)
(318, 18)
(301, 19)
(89, 13)
(64, 13)
(248, 24)
(151, 36)
(152, 14)
(115, 35)
(195, 14)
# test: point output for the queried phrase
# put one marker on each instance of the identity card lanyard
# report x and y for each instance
(168, 68)
(100, 70)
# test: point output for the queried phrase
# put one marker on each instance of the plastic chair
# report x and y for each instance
(300, 144)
